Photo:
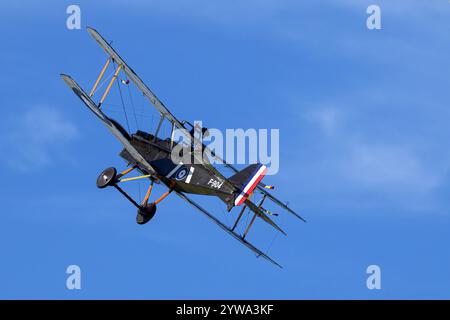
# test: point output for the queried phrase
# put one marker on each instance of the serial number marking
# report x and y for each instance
(217, 184)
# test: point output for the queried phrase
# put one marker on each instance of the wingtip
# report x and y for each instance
(66, 78)
(270, 260)
(278, 265)
(92, 31)
(279, 229)
(299, 216)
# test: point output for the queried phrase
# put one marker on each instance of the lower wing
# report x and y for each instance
(228, 230)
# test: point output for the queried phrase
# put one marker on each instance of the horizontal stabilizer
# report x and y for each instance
(262, 215)
(279, 203)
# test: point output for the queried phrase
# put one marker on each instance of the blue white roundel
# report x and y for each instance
(181, 174)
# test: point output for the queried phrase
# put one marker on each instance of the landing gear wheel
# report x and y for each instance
(146, 213)
(107, 178)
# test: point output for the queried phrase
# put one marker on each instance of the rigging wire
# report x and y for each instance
(123, 106)
(132, 105)
(123, 102)
(274, 238)
(102, 83)
(128, 123)
(137, 127)
(247, 215)
(153, 120)
(115, 108)
(142, 110)
(272, 242)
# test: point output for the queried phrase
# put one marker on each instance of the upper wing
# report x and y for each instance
(133, 76)
(228, 230)
(152, 97)
(105, 120)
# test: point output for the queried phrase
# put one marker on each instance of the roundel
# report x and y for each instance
(181, 174)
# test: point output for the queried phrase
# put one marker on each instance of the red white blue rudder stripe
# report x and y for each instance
(250, 184)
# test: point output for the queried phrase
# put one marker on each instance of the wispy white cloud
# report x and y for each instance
(389, 168)
(325, 118)
(343, 156)
(36, 138)
(341, 23)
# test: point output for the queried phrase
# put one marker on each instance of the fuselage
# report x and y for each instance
(194, 178)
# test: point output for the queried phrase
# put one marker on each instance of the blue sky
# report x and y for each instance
(363, 118)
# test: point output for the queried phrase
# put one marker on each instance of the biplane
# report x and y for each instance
(149, 154)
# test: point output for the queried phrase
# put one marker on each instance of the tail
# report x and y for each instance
(246, 181)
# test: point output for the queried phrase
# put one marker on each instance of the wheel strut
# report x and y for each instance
(127, 196)
(146, 211)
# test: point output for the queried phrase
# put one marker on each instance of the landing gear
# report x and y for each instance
(107, 178)
(146, 211)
